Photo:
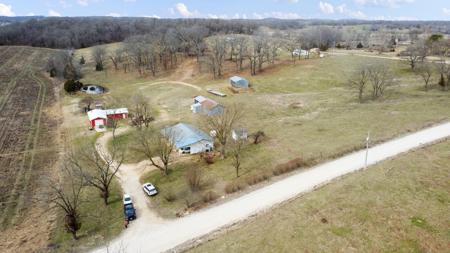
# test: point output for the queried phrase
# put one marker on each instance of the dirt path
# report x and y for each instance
(149, 84)
(168, 235)
(128, 176)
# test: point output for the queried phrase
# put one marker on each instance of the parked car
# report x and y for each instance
(129, 212)
(127, 199)
(150, 189)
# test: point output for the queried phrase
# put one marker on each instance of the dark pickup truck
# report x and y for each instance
(129, 212)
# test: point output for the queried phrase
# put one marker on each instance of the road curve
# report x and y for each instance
(167, 235)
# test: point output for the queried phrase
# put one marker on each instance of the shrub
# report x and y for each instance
(210, 196)
(360, 45)
(170, 195)
(254, 179)
(72, 86)
(234, 187)
(82, 60)
(209, 158)
(194, 178)
(289, 166)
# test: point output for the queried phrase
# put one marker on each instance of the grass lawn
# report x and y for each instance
(399, 205)
(98, 222)
(306, 110)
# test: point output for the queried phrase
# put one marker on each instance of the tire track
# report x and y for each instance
(24, 172)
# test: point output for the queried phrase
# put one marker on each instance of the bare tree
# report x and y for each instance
(140, 111)
(99, 55)
(241, 44)
(66, 194)
(359, 81)
(193, 38)
(116, 57)
(425, 71)
(380, 78)
(222, 124)
(236, 154)
(218, 48)
(416, 53)
(97, 166)
(157, 146)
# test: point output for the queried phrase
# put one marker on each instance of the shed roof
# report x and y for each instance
(185, 134)
(96, 113)
(237, 79)
(116, 111)
(199, 99)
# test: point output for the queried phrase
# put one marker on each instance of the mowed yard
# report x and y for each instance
(399, 205)
(306, 110)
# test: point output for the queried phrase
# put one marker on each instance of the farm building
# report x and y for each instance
(206, 106)
(119, 113)
(98, 118)
(188, 139)
(239, 82)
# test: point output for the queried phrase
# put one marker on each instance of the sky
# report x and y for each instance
(231, 9)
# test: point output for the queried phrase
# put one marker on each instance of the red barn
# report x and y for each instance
(119, 113)
(97, 119)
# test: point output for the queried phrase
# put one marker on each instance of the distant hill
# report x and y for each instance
(9, 20)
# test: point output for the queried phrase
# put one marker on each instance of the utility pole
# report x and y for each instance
(367, 149)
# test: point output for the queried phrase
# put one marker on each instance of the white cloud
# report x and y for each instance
(446, 11)
(6, 10)
(274, 14)
(31, 14)
(87, 2)
(113, 14)
(83, 2)
(386, 3)
(326, 8)
(183, 10)
(53, 13)
(289, 1)
(153, 16)
(342, 9)
(64, 4)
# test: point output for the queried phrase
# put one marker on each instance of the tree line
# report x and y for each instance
(81, 32)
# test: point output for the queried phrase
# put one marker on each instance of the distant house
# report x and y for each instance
(300, 52)
(188, 139)
(98, 118)
(206, 106)
(239, 134)
(239, 82)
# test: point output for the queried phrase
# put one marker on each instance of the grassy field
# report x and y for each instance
(400, 205)
(306, 110)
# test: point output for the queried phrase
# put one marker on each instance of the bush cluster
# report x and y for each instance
(289, 166)
(210, 196)
(254, 179)
(72, 86)
(234, 187)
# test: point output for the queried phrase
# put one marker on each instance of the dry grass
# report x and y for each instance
(400, 205)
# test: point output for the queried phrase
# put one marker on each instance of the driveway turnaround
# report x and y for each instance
(159, 237)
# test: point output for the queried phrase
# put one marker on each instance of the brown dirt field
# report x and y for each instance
(28, 149)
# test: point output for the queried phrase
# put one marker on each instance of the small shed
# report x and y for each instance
(239, 82)
(239, 134)
(206, 106)
(97, 119)
(119, 113)
(188, 139)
